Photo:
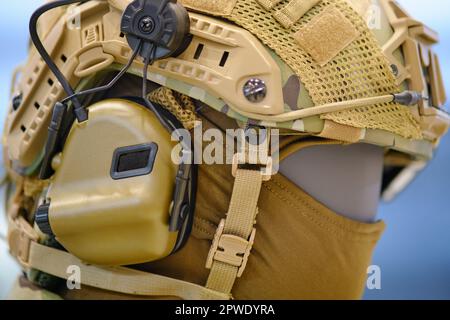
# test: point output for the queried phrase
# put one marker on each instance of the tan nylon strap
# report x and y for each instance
(222, 277)
(293, 11)
(244, 200)
(268, 4)
(215, 7)
(239, 222)
(117, 279)
(340, 132)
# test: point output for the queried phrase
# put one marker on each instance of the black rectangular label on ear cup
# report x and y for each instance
(133, 161)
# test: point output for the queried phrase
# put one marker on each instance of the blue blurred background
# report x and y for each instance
(414, 254)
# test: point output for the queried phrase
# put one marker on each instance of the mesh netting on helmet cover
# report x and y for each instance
(360, 70)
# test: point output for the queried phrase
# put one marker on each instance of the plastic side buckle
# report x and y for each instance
(230, 249)
(20, 236)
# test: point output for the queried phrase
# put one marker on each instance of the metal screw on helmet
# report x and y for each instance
(255, 90)
(17, 101)
(146, 25)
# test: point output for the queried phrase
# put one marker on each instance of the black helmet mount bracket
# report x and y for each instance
(161, 27)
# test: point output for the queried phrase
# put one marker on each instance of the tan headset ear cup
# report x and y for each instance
(185, 228)
(131, 170)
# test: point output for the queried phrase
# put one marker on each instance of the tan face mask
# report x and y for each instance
(302, 249)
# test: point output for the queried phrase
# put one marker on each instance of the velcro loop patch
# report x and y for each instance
(215, 7)
(326, 35)
(293, 12)
(268, 4)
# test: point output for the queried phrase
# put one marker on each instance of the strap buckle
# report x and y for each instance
(254, 156)
(20, 236)
(230, 249)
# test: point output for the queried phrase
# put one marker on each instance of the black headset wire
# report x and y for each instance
(80, 112)
(148, 62)
(111, 83)
(187, 171)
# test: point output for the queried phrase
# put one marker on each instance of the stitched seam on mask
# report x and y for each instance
(208, 222)
(341, 232)
(309, 217)
(206, 232)
(202, 229)
(351, 235)
(328, 219)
